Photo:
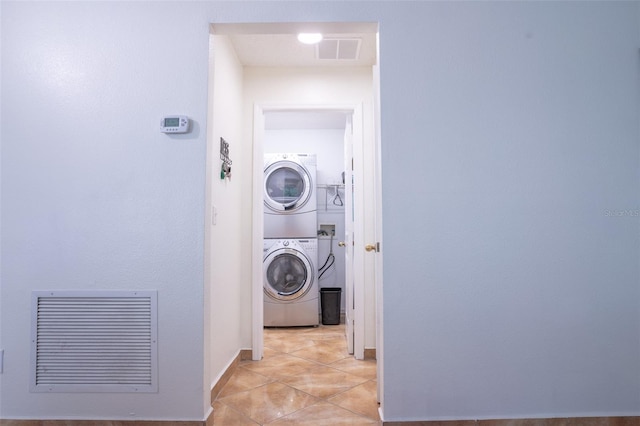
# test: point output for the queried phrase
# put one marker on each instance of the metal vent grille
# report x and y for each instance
(94, 341)
(343, 48)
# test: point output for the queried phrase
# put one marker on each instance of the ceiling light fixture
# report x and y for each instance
(310, 38)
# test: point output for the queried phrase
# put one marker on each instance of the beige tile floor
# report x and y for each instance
(306, 377)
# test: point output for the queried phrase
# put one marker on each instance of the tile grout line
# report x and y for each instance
(327, 340)
(235, 410)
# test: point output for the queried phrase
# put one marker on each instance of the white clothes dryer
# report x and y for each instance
(290, 201)
(290, 282)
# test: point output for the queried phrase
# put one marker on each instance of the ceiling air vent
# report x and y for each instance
(94, 341)
(343, 48)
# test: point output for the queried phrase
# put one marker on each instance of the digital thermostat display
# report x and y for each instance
(171, 122)
(174, 124)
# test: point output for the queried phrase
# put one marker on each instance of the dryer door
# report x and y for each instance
(288, 274)
(287, 186)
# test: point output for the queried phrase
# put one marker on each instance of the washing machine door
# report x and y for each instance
(287, 274)
(287, 186)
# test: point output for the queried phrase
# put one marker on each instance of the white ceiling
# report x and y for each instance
(276, 45)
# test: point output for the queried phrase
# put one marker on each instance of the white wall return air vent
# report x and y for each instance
(94, 341)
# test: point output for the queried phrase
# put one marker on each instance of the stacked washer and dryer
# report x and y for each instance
(290, 255)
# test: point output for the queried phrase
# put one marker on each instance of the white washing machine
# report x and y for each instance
(290, 201)
(290, 282)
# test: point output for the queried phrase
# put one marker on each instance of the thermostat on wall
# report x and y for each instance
(174, 124)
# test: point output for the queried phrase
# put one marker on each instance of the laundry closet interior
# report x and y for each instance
(304, 220)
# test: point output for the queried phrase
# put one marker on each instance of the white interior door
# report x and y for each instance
(378, 236)
(361, 216)
(348, 231)
(355, 236)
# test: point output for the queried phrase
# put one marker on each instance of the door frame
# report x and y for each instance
(259, 111)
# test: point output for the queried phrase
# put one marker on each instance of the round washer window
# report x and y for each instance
(287, 275)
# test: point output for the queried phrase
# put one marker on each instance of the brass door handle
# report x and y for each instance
(370, 247)
(341, 244)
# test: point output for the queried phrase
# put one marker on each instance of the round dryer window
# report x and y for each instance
(287, 186)
(287, 276)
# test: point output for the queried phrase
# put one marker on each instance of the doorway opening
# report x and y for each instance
(273, 76)
(328, 134)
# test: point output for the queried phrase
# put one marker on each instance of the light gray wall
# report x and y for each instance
(93, 195)
(510, 160)
(513, 133)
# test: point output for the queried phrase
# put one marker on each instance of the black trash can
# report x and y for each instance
(330, 305)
